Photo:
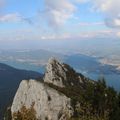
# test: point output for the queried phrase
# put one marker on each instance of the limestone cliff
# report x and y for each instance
(64, 94)
(61, 74)
(49, 103)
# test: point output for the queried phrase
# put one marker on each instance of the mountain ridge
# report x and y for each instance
(63, 96)
(49, 102)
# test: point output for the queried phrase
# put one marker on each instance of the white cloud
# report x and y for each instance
(13, 17)
(113, 22)
(10, 17)
(90, 23)
(118, 34)
(81, 1)
(110, 9)
(58, 12)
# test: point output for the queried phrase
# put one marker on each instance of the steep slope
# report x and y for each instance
(62, 75)
(65, 95)
(9, 80)
(49, 103)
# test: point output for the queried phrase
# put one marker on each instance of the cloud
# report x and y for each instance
(118, 34)
(110, 9)
(113, 22)
(11, 17)
(14, 17)
(57, 12)
(81, 1)
(90, 23)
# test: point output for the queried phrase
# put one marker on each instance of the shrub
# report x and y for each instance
(25, 113)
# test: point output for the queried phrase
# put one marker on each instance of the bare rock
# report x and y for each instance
(48, 103)
(61, 75)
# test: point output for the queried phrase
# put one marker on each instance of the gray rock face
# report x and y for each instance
(61, 75)
(55, 73)
(49, 103)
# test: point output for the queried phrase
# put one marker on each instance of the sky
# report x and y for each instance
(24, 20)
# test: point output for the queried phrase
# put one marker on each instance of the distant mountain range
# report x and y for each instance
(90, 64)
(108, 50)
(9, 80)
(86, 63)
(37, 59)
(28, 59)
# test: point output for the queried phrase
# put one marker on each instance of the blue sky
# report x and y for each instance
(58, 19)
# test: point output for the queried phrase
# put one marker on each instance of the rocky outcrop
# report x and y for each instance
(49, 103)
(55, 73)
(61, 75)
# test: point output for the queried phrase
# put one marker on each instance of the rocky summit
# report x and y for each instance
(64, 94)
(48, 102)
(61, 74)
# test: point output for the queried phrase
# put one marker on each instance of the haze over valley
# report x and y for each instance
(94, 62)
